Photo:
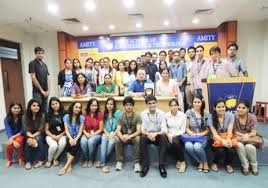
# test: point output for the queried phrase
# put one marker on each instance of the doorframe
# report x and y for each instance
(17, 46)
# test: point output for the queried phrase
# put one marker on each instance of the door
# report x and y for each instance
(12, 81)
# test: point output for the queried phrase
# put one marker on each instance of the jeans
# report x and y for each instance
(43, 100)
(107, 146)
(89, 146)
(196, 151)
(32, 153)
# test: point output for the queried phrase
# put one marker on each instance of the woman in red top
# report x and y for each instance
(92, 132)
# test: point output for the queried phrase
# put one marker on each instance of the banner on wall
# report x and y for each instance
(131, 47)
(232, 90)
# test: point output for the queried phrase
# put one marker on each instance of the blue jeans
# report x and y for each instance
(196, 150)
(89, 146)
(42, 100)
(38, 153)
(107, 146)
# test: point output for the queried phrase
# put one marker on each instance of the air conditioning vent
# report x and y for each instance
(204, 12)
(135, 17)
(71, 20)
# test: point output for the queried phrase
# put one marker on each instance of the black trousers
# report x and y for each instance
(223, 153)
(176, 148)
(160, 141)
(72, 149)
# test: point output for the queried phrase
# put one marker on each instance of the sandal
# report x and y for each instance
(84, 165)
(62, 172)
(206, 168)
(8, 164)
(98, 164)
(245, 171)
(69, 169)
(200, 167)
(229, 169)
(214, 167)
(178, 164)
(48, 164)
(182, 167)
(105, 169)
(255, 171)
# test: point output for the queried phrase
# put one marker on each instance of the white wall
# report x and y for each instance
(252, 38)
(28, 42)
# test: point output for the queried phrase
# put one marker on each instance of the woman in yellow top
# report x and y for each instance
(121, 77)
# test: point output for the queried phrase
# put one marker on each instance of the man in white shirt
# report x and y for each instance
(154, 130)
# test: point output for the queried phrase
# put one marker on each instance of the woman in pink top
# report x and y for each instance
(168, 87)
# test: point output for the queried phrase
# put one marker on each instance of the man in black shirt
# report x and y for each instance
(39, 75)
(150, 67)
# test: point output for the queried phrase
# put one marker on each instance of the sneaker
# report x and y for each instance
(137, 167)
(28, 166)
(119, 166)
(38, 164)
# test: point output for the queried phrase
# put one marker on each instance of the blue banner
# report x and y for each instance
(147, 42)
(232, 90)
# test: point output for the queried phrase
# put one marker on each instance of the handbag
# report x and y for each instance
(187, 138)
(218, 144)
(256, 140)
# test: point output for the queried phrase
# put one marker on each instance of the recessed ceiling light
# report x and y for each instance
(85, 28)
(128, 3)
(111, 26)
(169, 2)
(90, 5)
(166, 23)
(53, 8)
(138, 25)
(195, 21)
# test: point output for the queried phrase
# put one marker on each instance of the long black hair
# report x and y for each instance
(135, 70)
(215, 119)
(29, 113)
(203, 105)
(71, 111)
(106, 112)
(10, 117)
(77, 82)
(61, 111)
(88, 107)
(246, 103)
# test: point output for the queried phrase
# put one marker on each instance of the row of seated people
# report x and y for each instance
(172, 131)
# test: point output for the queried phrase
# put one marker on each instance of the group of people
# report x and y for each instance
(172, 132)
(174, 76)
(178, 131)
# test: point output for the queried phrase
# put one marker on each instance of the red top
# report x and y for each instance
(91, 122)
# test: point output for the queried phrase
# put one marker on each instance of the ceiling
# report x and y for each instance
(33, 15)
